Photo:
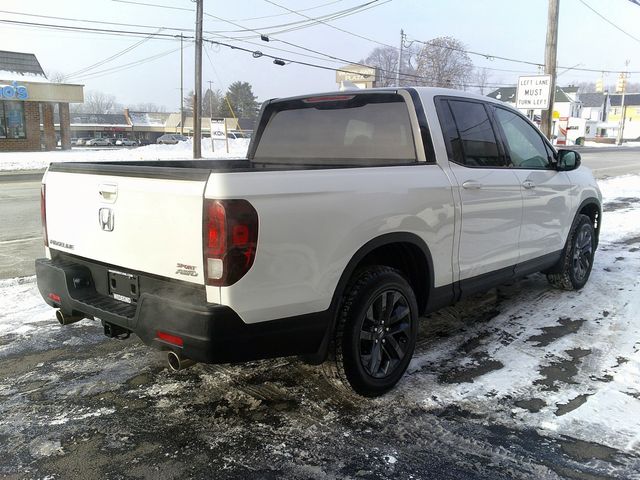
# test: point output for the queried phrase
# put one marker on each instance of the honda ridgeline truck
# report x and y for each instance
(353, 214)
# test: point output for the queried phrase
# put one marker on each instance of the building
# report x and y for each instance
(631, 114)
(27, 100)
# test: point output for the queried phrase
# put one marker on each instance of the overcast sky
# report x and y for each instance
(509, 28)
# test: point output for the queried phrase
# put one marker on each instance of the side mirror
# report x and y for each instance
(568, 160)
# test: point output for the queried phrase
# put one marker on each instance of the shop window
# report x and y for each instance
(12, 124)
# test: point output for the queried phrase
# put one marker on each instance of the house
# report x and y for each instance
(631, 113)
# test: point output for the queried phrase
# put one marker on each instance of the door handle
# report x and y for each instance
(472, 185)
(528, 184)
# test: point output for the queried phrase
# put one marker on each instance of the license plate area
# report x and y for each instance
(124, 286)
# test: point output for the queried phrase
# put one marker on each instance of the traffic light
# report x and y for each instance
(622, 83)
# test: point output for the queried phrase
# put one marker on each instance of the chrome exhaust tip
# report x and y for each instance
(177, 362)
(67, 319)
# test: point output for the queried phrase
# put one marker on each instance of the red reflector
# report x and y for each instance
(172, 339)
(333, 98)
(54, 297)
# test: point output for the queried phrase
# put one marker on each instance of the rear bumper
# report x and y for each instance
(210, 333)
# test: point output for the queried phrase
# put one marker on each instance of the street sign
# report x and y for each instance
(534, 92)
(218, 132)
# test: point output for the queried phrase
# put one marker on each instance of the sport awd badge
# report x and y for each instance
(106, 220)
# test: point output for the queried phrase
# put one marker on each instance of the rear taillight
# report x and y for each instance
(43, 213)
(230, 239)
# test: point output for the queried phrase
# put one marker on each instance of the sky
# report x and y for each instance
(508, 28)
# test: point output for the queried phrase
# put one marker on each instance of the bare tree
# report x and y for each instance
(442, 62)
(585, 87)
(97, 102)
(55, 76)
(481, 79)
(386, 59)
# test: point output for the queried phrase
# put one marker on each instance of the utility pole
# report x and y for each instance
(197, 97)
(400, 58)
(181, 87)
(213, 149)
(550, 60)
(624, 90)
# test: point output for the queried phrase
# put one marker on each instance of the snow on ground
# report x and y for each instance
(566, 364)
(571, 358)
(180, 151)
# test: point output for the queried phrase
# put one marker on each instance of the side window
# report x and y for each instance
(525, 145)
(476, 141)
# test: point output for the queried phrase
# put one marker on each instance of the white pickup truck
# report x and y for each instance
(353, 214)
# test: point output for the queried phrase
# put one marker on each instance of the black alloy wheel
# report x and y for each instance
(385, 333)
(377, 327)
(582, 252)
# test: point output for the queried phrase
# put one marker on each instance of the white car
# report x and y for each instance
(125, 142)
(353, 215)
(98, 142)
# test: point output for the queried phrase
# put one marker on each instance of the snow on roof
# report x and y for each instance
(149, 119)
(12, 76)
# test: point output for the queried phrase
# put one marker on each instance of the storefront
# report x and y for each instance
(28, 100)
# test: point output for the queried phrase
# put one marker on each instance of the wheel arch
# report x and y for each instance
(404, 251)
(592, 208)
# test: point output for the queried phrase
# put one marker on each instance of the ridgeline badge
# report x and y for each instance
(13, 91)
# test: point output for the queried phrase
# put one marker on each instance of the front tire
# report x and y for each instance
(376, 333)
(574, 267)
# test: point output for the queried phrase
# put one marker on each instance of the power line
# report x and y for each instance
(609, 21)
(236, 20)
(98, 31)
(333, 26)
(51, 17)
(108, 59)
(313, 65)
(300, 24)
(126, 66)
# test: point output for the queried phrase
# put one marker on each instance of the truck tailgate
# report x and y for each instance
(150, 224)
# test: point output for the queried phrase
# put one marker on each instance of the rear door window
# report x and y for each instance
(473, 141)
(358, 129)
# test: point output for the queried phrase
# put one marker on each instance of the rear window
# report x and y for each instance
(343, 130)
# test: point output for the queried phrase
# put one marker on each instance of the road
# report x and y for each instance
(21, 229)
(21, 241)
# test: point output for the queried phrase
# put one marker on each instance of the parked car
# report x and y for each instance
(125, 142)
(171, 139)
(234, 134)
(81, 141)
(353, 215)
(98, 142)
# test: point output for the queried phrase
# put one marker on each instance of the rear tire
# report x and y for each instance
(376, 333)
(574, 267)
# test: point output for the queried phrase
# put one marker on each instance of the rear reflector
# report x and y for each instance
(54, 297)
(167, 337)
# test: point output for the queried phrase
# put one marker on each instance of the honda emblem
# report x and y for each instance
(105, 218)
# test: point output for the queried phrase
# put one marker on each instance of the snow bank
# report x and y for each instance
(180, 151)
